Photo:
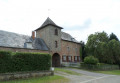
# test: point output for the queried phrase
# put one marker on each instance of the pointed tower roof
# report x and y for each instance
(47, 22)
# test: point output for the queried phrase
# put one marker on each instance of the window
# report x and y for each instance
(64, 58)
(69, 58)
(68, 48)
(75, 57)
(78, 58)
(56, 44)
(56, 32)
(76, 50)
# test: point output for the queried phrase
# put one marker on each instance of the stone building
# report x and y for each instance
(48, 39)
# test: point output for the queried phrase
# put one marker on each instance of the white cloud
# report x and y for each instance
(23, 16)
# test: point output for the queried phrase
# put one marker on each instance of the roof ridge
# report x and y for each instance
(15, 33)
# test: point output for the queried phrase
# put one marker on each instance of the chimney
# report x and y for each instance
(33, 34)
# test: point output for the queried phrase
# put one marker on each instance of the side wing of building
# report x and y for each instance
(70, 49)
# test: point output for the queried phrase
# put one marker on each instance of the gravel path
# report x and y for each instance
(89, 77)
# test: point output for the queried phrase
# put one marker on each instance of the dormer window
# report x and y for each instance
(56, 31)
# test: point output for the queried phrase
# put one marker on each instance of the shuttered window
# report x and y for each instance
(64, 58)
(69, 58)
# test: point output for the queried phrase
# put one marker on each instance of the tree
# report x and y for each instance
(82, 50)
(93, 41)
(106, 49)
(113, 36)
(114, 49)
(105, 55)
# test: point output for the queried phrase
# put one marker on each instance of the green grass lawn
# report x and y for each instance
(67, 71)
(113, 72)
(46, 79)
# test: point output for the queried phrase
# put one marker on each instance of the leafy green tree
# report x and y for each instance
(113, 36)
(114, 49)
(93, 41)
(106, 49)
(82, 50)
(105, 55)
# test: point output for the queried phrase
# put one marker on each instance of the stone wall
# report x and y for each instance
(21, 75)
(14, 49)
(48, 35)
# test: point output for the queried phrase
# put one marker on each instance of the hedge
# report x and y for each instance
(17, 62)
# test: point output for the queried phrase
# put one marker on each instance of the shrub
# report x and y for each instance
(23, 62)
(91, 60)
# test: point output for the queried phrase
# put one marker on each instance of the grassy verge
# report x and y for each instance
(46, 79)
(67, 71)
(113, 72)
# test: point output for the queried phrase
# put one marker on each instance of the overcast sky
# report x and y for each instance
(80, 18)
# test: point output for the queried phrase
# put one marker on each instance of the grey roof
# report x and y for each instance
(47, 22)
(39, 43)
(68, 37)
(9, 39)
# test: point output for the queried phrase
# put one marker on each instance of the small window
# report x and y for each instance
(56, 44)
(68, 48)
(64, 58)
(56, 32)
(69, 58)
(75, 58)
(78, 58)
(76, 50)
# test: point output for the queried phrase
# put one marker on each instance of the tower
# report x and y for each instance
(51, 34)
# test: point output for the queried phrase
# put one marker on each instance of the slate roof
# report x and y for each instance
(9, 39)
(47, 22)
(68, 37)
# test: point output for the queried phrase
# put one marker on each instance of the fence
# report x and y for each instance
(99, 67)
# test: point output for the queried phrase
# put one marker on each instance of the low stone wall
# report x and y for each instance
(14, 49)
(23, 75)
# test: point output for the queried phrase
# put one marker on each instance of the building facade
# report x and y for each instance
(62, 46)
(49, 38)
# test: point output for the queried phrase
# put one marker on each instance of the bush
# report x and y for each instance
(23, 62)
(91, 60)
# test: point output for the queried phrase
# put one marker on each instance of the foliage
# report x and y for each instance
(114, 48)
(24, 62)
(93, 42)
(82, 50)
(91, 60)
(113, 36)
(104, 48)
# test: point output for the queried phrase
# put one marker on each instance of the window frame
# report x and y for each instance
(75, 58)
(56, 44)
(56, 32)
(63, 58)
(70, 58)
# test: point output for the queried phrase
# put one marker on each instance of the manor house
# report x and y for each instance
(48, 38)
